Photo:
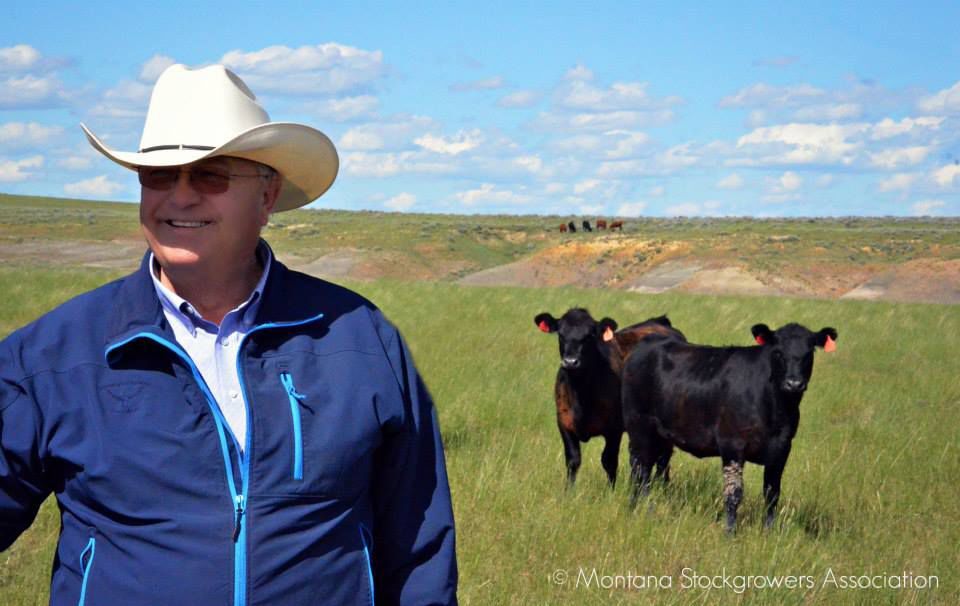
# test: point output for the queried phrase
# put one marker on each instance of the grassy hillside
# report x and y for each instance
(869, 489)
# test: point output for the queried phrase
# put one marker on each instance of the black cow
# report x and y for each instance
(572, 227)
(586, 226)
(739, 403)
(587, 390)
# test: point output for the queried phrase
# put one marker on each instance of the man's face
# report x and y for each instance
(188, 228)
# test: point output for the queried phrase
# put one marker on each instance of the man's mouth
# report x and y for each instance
(186, 224)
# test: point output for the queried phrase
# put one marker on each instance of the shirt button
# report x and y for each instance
(234, 394)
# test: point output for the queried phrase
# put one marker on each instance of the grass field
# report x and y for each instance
(870, 489)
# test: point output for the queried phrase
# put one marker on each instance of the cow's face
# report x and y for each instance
(580, 336)
(791, 353)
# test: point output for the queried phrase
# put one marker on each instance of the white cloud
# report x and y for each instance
(459, 143)
(904, 156)
(577, 93)
(790, 181)
(898, 182)
(762, 95)
(945, 176)
(520, 98)
(475, 85)
(20, 135)
(308, 70)
(487, 193)
(586, 185)
(579, 72)
(555, 188)
(127, 100)
(17, 170)
(888, 128)
(731, 181)
(379, 165)
(631, 209)
(75, 162)
(927, 207)
(946, 101)
(801, 144)
(401, 202)
(31, 92)
(531, 164)
(19, 58)
(396, 134)
(99, 186)
(679, 156)
(346, 108)
(626, 143)
(153, 67)
(829, 112)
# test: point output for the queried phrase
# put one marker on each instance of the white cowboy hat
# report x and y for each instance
(197, 114)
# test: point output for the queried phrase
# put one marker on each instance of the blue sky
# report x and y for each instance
(606, 108)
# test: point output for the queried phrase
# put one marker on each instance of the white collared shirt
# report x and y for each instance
(213, 348)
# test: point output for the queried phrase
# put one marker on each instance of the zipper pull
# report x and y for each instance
(239, 511)
(287, 379)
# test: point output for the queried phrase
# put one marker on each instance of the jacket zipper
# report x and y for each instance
(86, 563)
(366, 540)
(295, 398)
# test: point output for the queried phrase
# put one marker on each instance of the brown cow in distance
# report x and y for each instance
(601, 224)
(563, 228)
(616, 225)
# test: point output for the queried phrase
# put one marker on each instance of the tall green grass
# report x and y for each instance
(870, 487)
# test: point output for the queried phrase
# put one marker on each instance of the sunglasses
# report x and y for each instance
(203, 179)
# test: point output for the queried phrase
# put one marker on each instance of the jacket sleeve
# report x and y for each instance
(22, 485)
(414, 553)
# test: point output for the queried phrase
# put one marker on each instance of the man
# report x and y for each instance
(218, 429)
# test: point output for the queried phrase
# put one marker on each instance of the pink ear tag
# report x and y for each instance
(543, 326)
(759, 339)
(608, 334)
(830, 345)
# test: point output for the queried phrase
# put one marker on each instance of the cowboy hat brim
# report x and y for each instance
(305, 158)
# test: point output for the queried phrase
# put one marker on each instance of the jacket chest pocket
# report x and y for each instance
(328, 438)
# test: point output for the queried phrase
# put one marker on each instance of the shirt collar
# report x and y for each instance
(184, 312)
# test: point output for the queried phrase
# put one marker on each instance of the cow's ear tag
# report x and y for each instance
(543, 326)
(760, 340)
(608, 334)
(830, 345)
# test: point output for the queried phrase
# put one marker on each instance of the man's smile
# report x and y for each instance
(187, 224)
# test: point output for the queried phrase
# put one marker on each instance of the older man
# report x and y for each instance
(218, 429)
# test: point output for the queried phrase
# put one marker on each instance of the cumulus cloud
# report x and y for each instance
(586, 185)
(946, 176)
(18, 170)
(398, 133)
(898, 182)
(475, 85)
(308, 70)
(381, 165)
(519, 99)
(344, 109)
(829, 112)
(631, 209)
(763, 95)
(96, 187)
(26, 135)
(153, 67)
(731, 181)
(797, 143)
(532, 164)
(457, 144)
(790, 181)
(401, 202)
(127, 100)
(578, 93)
(32, 92)
(946, 101)
(19, 58)
(488, 193)
(888, 128)
(927, 207)
(904, 156)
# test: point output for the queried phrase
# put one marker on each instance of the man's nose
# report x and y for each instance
(183, 192)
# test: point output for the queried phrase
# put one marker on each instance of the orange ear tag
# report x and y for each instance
(608, 334)
(830, 345)
(543, 326)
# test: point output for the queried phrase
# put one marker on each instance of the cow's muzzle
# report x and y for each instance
(794, 385)
(570, 363)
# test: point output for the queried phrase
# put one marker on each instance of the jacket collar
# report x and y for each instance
(138, 308)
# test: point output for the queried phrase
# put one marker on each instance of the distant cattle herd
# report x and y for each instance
(741, 404)
(602, 224)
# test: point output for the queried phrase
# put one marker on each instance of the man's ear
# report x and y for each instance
(271, 193)
(827, 338)
(762, 334)
(607, 327)
(546, 322)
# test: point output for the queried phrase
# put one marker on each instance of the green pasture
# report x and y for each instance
(870, 489)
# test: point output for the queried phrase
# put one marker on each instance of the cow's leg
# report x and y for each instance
(642, 458)
(663, 462)
(732, 490)
(611, 456)
(571, 453)
(772, 472)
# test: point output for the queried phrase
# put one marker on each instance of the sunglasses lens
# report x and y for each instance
(158, 178)
(209, 181)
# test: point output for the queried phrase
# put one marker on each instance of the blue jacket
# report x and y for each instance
(340, 495)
